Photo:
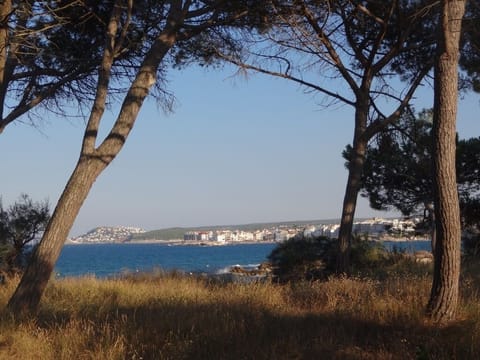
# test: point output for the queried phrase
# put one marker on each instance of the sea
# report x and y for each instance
(109, 260)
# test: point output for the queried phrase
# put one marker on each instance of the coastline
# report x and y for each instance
(181, 242)
(173, 242)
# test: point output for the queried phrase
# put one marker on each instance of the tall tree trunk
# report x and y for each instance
(355, 171)
(28, 293)
(444, 294)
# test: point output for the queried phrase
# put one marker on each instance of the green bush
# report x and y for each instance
(20, 224)
(366, 255)
(301, 258)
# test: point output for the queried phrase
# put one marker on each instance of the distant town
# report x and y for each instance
(108, 234)
(374, 229)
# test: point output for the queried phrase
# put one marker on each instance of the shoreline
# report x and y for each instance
(172, 243)
(181, 242)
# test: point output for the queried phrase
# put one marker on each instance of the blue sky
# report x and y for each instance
(235, 150)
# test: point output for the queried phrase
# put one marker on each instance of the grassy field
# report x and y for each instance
(160, 316)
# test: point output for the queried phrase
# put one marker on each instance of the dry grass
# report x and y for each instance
(175, 317)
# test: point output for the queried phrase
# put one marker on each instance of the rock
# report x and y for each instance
(263, 269)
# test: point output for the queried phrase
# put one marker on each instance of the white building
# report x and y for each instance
(281, 235)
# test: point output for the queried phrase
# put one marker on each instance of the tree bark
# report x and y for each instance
(355, 171)
(444, 294)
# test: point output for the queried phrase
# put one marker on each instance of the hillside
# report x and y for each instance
(176, 233)
(108, 234)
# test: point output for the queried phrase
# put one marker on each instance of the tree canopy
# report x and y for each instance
(47, 55)
(50, 52)
(398, 168)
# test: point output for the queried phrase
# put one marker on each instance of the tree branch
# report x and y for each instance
(330, 49)
(376, 126)
(91, 131)
(282, 75)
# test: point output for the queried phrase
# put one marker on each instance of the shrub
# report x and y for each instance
(20, 224)
(367, 255)
(301, 258)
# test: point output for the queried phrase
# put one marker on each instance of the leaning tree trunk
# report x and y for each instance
(355, 170)
(444, 294)
(93, 160)
(28, 293)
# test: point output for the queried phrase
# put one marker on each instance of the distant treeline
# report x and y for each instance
(178, 232)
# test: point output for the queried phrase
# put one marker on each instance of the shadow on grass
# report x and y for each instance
(241, 330)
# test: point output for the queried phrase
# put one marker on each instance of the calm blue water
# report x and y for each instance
(109, 259)
(409, 246)
(104, 260)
